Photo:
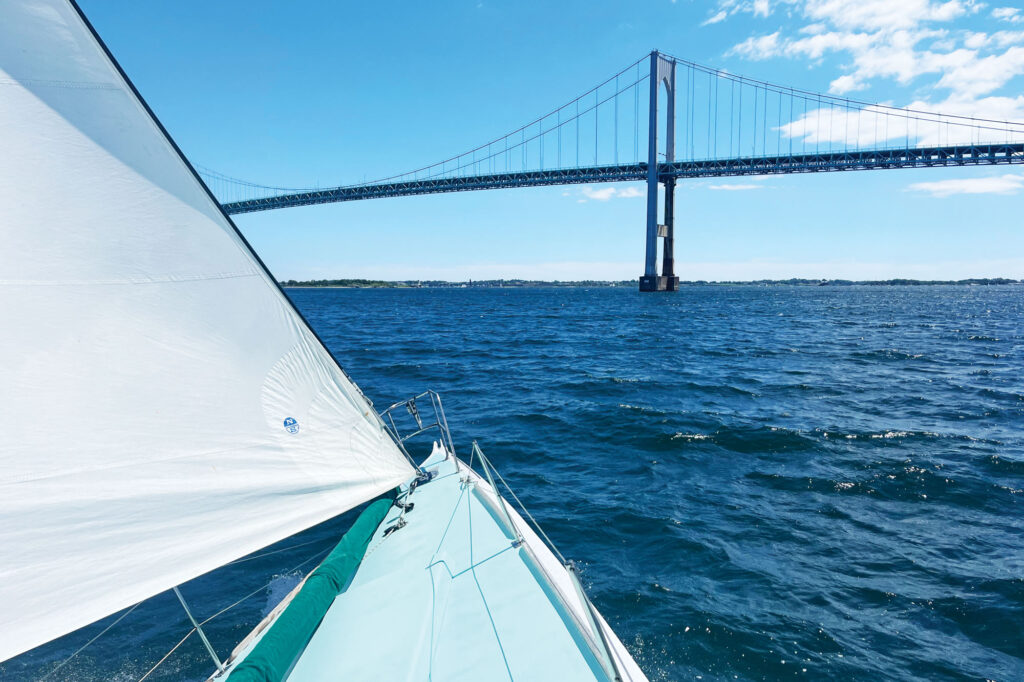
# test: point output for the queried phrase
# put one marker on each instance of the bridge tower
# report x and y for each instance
(662, 71)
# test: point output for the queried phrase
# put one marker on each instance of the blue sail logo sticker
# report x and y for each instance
(291, 426)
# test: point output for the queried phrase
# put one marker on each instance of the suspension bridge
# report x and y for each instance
(663, 119)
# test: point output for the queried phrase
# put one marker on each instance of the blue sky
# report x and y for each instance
(328, 93)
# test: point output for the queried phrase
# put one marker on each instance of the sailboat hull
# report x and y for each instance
(459, 588)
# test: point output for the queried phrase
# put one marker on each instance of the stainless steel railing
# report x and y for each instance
(422, 413)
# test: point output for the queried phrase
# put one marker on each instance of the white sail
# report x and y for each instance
(164, 409)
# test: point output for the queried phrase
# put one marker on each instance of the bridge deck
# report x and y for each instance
(909, 157)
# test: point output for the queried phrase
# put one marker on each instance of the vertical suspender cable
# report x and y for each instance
(540, 137)
(559, 138)
(803, 135)
(764, 124)
(846, 127)
(857, 140)
(886, 138)
(817, 126)
(790, 121)
(616, 120)
(874, 121)
(636, 116)
(831, 111)
(778, 145)
(707, 153)
(753, 147)
(686, 137)
(693, 109)
(906, 125)
(739, 122)
(717, 79)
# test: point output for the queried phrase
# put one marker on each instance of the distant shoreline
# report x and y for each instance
(536, 284)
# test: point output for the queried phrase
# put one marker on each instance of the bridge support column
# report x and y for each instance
(662, 71)
(668, 245)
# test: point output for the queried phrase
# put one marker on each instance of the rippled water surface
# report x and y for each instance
(760, 483)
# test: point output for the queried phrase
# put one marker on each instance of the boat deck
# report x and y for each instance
(449, 596)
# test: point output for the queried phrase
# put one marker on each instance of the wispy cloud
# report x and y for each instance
(1003, 184)
(603, 194)
(736, 187)
(609, 192)
(1010, 14)
(716, 18)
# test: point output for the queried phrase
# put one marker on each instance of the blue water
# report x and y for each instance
(760, 482)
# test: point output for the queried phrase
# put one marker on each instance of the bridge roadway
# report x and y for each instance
(904, 157)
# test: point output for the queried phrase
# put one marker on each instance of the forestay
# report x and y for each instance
(165, 410)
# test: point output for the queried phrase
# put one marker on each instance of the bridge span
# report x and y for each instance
(915, 157)
(630, 127)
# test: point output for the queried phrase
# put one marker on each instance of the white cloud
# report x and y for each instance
(1010, 14)
(901, 40)
(761, 47)
(1003, 184)
(716, 18)
(971, 75)
(633, 191)
(875, 15)
(1004, 38)
(845, 84)
(603, 194)
(875, 126)
(973, 40)
(859, 14)
(610, 192)
(737, 187)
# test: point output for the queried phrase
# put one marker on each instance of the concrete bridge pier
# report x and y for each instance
(662, 71)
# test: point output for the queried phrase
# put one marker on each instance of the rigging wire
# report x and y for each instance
(225, 610)
(83, 647)
(167, 655)
(204, 622)
(276, 551)
(486, 462)
(262, 588)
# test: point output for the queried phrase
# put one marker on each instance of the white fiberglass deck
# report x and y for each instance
(449, 597)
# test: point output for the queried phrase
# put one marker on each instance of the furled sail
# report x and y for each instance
(165, 410)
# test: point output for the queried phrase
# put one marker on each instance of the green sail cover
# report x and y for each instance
(275, 653)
